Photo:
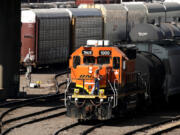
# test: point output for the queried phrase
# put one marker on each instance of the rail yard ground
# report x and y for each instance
(50, 126)
(50, 122)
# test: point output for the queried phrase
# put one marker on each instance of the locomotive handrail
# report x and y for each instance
(65, 93)
(116, 91)
(115, 95)
(115, 83)
(145, 83)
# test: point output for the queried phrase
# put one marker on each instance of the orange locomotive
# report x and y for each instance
(103, 81)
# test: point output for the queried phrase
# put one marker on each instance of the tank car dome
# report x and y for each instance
(146, 32)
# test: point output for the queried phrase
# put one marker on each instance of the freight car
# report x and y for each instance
(43, 39)
(119, 19)
(103, 82)
(46, 34)
(158, 56)
(86, 24)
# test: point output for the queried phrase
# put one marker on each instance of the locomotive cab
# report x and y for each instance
(117, 79)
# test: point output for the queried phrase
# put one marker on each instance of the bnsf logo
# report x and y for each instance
(85, 76)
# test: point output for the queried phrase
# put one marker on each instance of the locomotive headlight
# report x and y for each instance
(101, 92)
(76, 91)
(101, 100)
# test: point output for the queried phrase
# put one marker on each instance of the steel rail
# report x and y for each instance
(32, 121)
(89, 130)
(31, 114)
(143, 129)
(31, 101)
(40, 97)
(66, 128)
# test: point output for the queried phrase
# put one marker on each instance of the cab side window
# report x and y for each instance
(76, 61)
(116, 62)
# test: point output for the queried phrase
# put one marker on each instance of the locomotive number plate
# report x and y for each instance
(87, 52)
(105, 52)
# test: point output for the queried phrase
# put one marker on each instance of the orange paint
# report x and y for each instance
(83, 74)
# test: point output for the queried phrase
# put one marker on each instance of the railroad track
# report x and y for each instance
(31, 102)
(66, 128)
(33, 120)
(158, 128)
(101, 124)
(58, 85)
(20, 104)
(154, 129)
(75, 125)
(97, 125)
(88, 130)
(26, 103)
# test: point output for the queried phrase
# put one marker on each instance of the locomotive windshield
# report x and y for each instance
(103, 60)
(100, 60)
(89, 59)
